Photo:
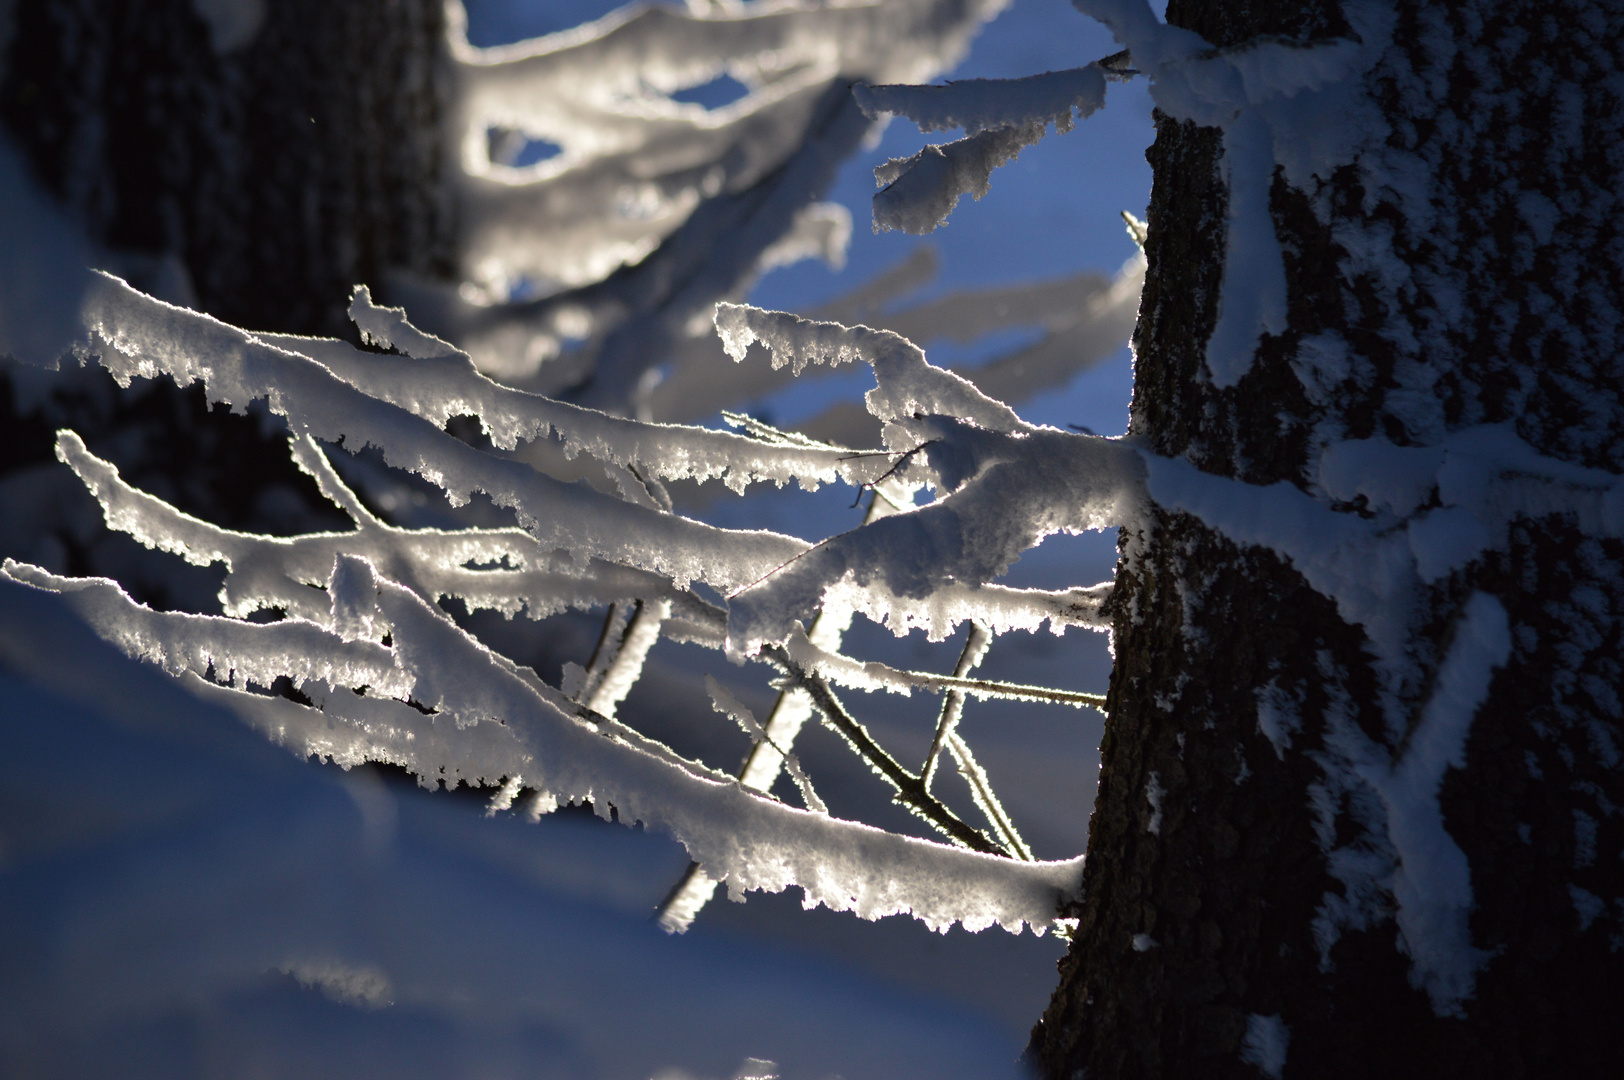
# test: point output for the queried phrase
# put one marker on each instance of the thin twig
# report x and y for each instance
(975, 647)
(760, 429)
(903, 457)
(910, 791)
(652, 484)
(610, 639)
(986, 799)
(903, 680)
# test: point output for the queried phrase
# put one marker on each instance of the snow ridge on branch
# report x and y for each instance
(976, 105)
(144, 337)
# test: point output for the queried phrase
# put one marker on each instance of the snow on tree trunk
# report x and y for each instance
(1379, 837)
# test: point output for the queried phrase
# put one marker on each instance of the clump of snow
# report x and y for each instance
(1586, 905)
(1252, 299)
(1154, 793)
(43, 260)
(1277, 718)
(1265, 1044)
(365, 987)
(1397, 479)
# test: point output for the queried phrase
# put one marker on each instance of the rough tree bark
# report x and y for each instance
(1492, 297)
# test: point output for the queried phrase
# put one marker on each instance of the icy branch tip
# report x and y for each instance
(796, 341)
(388, 327)
(733, 326)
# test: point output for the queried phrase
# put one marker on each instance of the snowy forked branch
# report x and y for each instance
(371, 668)
(475, 718)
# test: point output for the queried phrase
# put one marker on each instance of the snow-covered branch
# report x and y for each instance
(739, 837)
(908, 384)
(1007, 492)
(134, 335)
(379, 672)
(441, 382)
(1000, 117)
(918, 193)
(1081, 319)
(977, 105)
(497, 569)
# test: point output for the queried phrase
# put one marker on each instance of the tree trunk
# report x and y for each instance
(1245, 897)
(280, 168)
(256, 171)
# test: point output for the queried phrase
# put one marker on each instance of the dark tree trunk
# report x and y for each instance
(259, 184)
(281, 173)
(1502, 307)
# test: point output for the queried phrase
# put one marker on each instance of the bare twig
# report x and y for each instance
(846, 671)
(910, 790)
(986, 799)
(975, 647)
(760, 429)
